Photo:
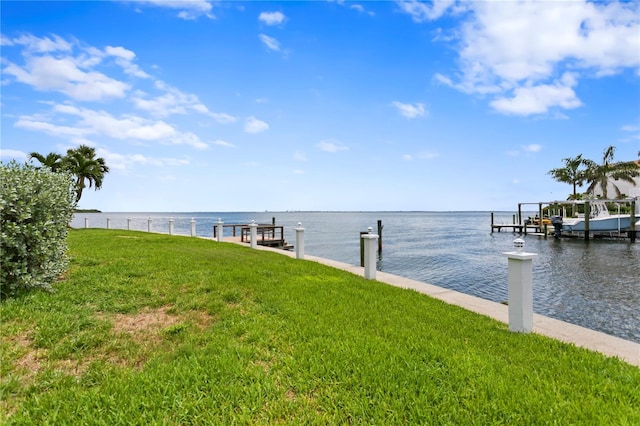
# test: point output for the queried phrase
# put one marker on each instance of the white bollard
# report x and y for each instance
(128, 224)
(253, 226)
(299, 241)
(171, 226)
(193, 227)
(149, 224)
(220, 229)
(370, 241)
(86, 222)
(520, 288)
(108, 223)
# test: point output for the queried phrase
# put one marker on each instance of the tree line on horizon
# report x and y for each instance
(579, 170)
(81, 163)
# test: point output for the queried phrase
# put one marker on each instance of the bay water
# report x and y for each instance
(595, 284)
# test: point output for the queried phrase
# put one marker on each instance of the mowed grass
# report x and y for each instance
(156, 329)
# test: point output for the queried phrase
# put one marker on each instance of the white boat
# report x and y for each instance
(600, 220)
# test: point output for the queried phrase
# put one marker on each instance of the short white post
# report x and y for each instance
(170, 226)
(86, 222)
(108, 223)
(193, 227)
(370, 241)
(299, 241)
(220, 229)
(520, 288)
(253, 226)
(149, 224)
(128, 224)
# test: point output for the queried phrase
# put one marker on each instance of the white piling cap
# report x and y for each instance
(518, 243)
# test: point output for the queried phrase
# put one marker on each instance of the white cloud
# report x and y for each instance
(124, 58)
(410, 110)
(13, 154)
(188, 138)
(253, 125)
(630, 128)
(46, 73)
(513, 51)
(174, 101)
(407, 157)
(223, 118)
(34, 124)
(120, 52)
(225, 144)
(332, 146)
(54, 64)
(298, 172)
(360, 8)
(271, 18)
(41, 45)
(534, 147)
(102, 124)
(270, 42)
(117, 161)
(188, 9)
(538, 99)
(299, 156)
(421, 12)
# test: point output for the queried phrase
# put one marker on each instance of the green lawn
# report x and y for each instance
(157, 329)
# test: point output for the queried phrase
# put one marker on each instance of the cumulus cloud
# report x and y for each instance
(91, 123)
(13, 154)
(46, 73)
(332, 146)
(271, 18)
(410, 110)
(270, 42)
(52, 64)
(513, 51)
(538, 99)
(253, 125)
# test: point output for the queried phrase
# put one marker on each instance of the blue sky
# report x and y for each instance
(324, 105)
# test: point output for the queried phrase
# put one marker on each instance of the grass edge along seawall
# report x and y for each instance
(149, 328)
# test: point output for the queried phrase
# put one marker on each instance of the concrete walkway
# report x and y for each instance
(580, 336)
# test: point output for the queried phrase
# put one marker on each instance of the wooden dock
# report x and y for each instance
(267, 235)
(543, 226)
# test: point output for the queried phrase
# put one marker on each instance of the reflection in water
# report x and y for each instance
(595, 284)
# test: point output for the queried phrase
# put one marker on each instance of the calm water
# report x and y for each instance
(594, 284)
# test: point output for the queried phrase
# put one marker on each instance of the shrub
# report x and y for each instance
(36, 206)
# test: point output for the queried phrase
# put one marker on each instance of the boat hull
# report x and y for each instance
(611, 223)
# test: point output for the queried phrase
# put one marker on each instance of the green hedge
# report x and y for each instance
(36, 206)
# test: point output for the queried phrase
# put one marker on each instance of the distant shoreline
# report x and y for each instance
(87, 211)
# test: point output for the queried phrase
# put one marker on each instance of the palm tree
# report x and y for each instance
(574, 173)
(53, 160)
(601, 174)
(85, 167)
